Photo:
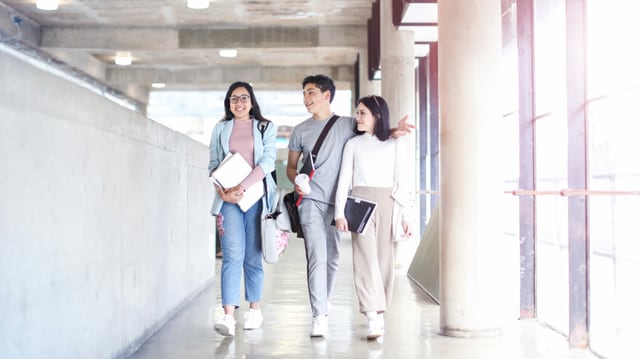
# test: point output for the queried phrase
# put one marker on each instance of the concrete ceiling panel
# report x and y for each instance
(278, 41)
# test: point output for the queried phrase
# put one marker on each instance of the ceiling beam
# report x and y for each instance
(216, 76)
(167, 39)
(400, 7)
(81, 61)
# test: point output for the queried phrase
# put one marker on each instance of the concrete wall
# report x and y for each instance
(104, 224)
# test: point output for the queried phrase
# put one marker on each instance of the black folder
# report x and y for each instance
(358, 213)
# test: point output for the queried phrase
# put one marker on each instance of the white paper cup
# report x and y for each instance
(302, 181)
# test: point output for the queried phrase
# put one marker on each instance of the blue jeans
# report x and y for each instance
(241, 250)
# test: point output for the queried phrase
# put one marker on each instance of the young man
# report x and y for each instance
(316, 210)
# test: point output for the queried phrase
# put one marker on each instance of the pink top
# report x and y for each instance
(241, 141)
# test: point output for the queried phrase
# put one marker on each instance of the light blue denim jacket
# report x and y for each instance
(264, 155)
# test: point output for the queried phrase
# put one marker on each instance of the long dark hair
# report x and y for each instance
(380, 111)
(255, 108)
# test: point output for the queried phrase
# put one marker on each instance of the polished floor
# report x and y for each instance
(412, 325)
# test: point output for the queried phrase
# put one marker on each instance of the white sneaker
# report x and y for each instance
(319, 326)
(376, 326)
(253, 319)
(226, 325)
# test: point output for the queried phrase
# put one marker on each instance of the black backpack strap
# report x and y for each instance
(262, 127)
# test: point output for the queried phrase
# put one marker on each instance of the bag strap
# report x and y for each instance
(316, 147)
(262, 126)
(323, 134)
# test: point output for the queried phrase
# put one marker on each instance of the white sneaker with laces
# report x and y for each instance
(226, 325)
(253, 319)
(319, 326)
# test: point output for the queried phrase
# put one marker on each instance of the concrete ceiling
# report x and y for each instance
(278, 41)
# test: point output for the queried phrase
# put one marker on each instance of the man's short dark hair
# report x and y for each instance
(323, 82)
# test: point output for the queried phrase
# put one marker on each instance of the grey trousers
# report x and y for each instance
(321, 241)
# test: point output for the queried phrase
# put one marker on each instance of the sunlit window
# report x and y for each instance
(194, 113)
(551, 163)
(614, 89)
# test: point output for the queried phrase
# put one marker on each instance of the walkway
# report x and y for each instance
(412, 325)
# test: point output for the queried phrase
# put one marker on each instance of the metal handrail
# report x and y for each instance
(568, 192)
(572, 192)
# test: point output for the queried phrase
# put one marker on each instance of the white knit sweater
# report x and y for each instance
(366, 161)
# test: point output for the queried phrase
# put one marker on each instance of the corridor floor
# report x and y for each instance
(412, 325)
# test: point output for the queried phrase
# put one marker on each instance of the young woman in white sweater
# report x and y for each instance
(368, 169)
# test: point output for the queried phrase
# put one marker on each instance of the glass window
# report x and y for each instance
(613, 78)
(615, 249)
(551, 163)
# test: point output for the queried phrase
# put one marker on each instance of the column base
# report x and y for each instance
(476, 333)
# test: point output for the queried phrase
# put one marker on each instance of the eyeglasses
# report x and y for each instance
(242, 98)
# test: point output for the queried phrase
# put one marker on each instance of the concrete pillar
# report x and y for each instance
(398, 66)
(399, 90)
(139, 92)
(471, 233)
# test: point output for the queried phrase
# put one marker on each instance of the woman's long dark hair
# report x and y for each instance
(380, 111)
(255, 108)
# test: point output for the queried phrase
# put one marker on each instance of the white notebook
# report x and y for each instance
(233, 170)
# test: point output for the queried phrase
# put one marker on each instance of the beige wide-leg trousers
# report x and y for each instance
(373, 253)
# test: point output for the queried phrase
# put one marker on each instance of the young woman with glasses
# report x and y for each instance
(239, 231)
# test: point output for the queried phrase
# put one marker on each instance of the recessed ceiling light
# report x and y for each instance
(47, 4)
(123, 58)
(197, 4)
(228, 53)
(158, 85)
